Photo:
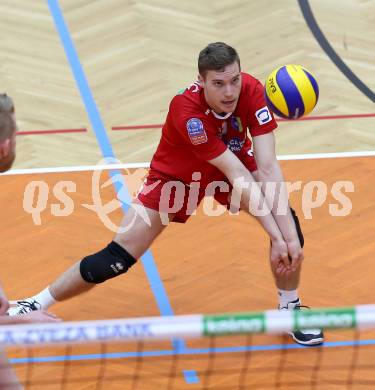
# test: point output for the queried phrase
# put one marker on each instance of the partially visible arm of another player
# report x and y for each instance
(235, 171)
(4, 304)
(34, 316)
(269, 171)
(37, 316)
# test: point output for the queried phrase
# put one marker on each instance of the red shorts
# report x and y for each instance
(166, 195)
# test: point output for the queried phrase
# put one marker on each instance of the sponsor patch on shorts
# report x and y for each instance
(196, 131)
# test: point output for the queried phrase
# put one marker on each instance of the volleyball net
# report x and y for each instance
(228, 351)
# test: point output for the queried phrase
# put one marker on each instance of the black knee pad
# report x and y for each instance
(298, 227)
(111, 261)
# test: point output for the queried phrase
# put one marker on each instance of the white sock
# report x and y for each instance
(287, 296)
(45, 298)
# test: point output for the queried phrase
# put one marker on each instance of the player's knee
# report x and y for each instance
(108, 263)
(298, 228)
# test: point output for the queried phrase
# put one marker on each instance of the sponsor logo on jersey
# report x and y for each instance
(235, 144)
(196, 131)
(263, 115)
(236, 123)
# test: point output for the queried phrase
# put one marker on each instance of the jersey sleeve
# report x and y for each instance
(196, 129)
(261, 118)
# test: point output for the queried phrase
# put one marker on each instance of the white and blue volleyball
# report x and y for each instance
(291, 91)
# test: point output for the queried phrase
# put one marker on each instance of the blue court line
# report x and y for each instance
(188, 351)
(191, 376)
(107, 151)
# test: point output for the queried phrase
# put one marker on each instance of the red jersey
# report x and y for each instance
(192, 134)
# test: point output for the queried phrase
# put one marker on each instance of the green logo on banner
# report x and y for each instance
(325, 318)
(234, 324)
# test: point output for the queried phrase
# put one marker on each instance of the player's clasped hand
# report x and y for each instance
(285, 257)
(295, 253)
(279, 256)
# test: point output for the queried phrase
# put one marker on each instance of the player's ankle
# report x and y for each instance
(288, 298)
(45, 298)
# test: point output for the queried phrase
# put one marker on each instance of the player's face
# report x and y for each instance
(222, 88)
(8, 150)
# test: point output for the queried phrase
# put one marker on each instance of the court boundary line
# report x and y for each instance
(278, 119)
(190, 351)
(148, 262)
(56, 131)
(330, 51)
(67, 169)
(160, 125)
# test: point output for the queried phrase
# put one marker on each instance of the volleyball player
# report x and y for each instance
(204, 137)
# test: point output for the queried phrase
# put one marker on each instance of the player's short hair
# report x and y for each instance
(216, 56)
(7, 123)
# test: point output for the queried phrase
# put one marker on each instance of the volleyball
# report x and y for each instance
(291, 91)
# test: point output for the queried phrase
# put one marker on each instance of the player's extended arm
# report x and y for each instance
(251, 195)
(269, 171)
(8, 378)
(34, 316)
(4, 304)
(37, 316)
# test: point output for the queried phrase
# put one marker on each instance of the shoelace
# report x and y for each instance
(298, 307)
(27, 306)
